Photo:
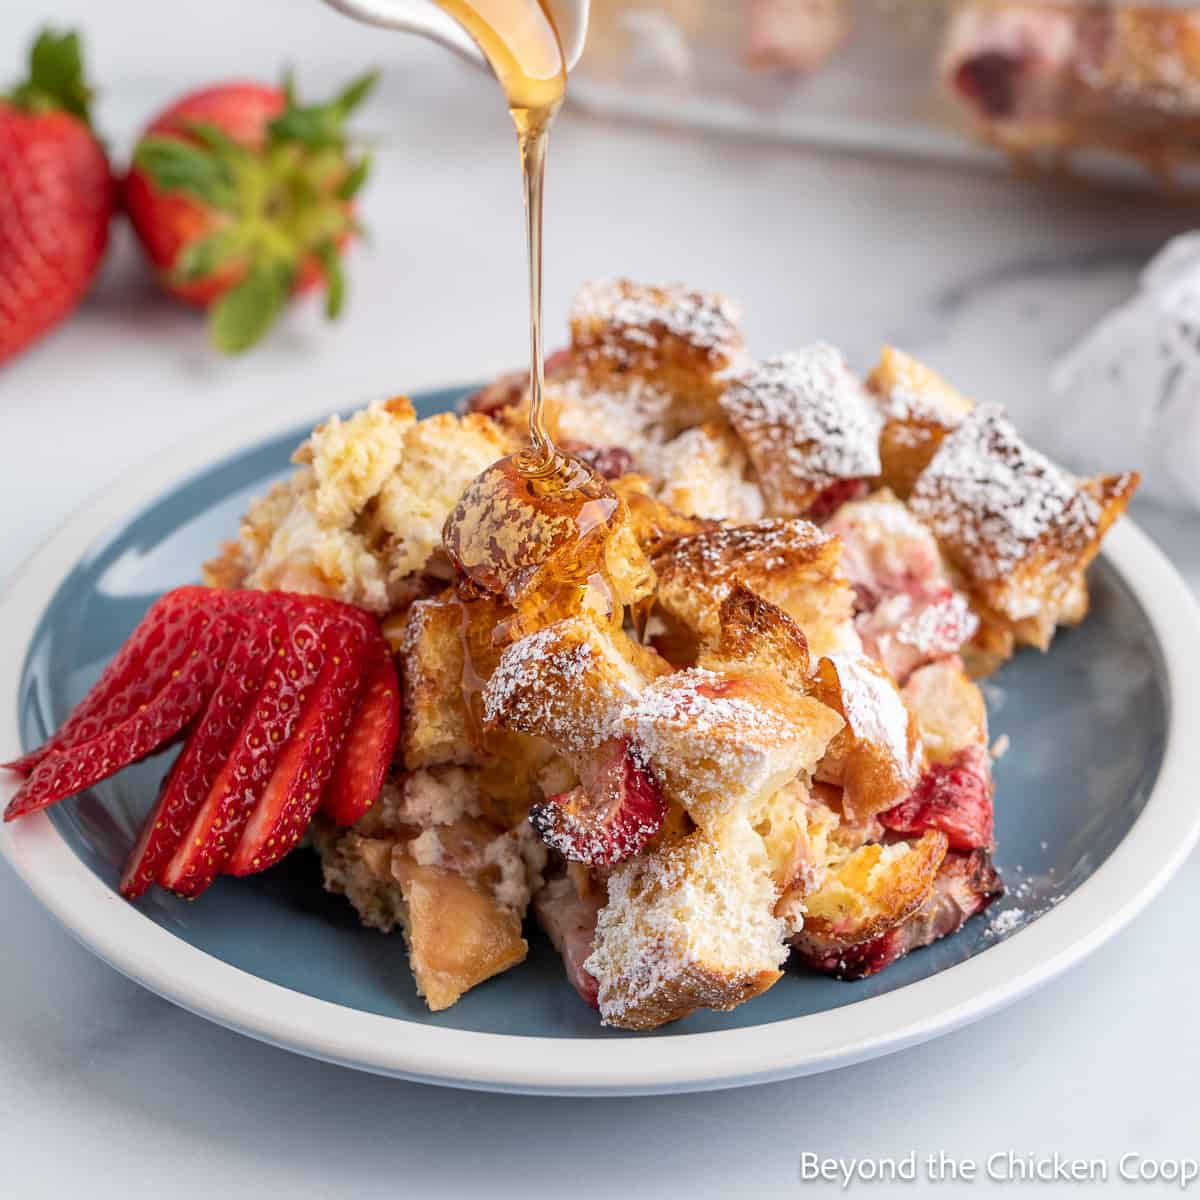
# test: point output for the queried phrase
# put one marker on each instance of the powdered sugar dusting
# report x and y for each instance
(565, 682)
(991, 498)
(628, 417)
(873, 708)
(643, 315)
(807, 420)
(682, 929)
(717, 741)
(716, 554)
(512, 683)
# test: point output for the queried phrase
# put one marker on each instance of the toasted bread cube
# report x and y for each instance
(876, 757)
(677, 338)
(690, 925)
(756, 636)
(919, 409)
(437, 726)
(949, 709)
(568, 683)
(442, 454)
(1021, 530)
(457, 885)
(631, 413)
(966, 884)
(704, 473)
(807, 423)
(790, 563)
(303, 536)
(457, 934)
(719, 744)
(873, 890)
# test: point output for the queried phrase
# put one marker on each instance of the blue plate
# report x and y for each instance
(1087, 725)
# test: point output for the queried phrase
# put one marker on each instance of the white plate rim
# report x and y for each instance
(117, 932)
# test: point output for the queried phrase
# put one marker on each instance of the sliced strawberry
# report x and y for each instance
(141, 669)
(370, 743)
(955, 797)
(195, 771)
(295, 665)
(281, 817)
(152, 725)
(612, 814)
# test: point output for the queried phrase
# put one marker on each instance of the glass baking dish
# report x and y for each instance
(1106, 90)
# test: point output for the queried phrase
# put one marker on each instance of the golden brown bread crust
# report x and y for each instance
(228, 570)
(719, 744)
(919, 409)
(690, 926)
(807, 423)
(790, 563)
(678, 338)
(568, 683)
(457, 935)
(948, 708)
(694, 987)
(655, 525)
(872, 891)
(437, 726)
(1019, 529)
(757, 636)
(876, 757)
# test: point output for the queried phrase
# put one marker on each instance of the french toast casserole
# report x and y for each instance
(722, 717)
(757, 737)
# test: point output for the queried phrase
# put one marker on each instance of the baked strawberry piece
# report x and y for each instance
(285, 701)
(955, 797)
(616, 809)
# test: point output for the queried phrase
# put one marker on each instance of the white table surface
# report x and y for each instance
(106, 1090)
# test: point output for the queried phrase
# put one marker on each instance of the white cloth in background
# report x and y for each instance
(1129, 393)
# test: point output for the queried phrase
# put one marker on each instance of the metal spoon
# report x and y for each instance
(425, 18)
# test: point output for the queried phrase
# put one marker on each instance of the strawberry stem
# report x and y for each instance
(56, 79)
(282, 209)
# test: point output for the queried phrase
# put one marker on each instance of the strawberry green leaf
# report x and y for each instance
(56, 79)
(353, 182)
(207, 255)
(290, 95)
(178, 166)
(217, 140)
(244, 314)
(335, 280)
(355, 92)
(321, 126)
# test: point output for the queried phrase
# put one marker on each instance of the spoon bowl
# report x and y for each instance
(425, 18)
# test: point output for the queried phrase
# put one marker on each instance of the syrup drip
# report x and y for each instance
(532, 529)
(520, 42)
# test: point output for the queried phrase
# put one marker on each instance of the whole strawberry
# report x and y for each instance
(242, 197)
(56, 194)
